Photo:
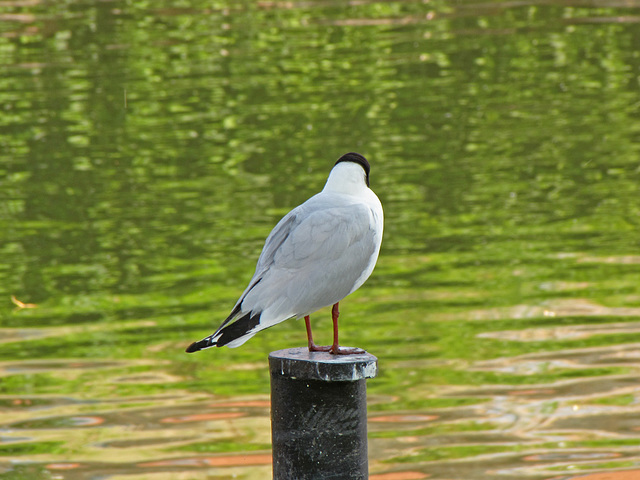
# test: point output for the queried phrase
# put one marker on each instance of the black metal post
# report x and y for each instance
(319, 414)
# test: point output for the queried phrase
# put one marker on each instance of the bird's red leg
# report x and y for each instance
(312, 346)
(336, 349)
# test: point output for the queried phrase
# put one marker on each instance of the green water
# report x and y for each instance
(148, 148)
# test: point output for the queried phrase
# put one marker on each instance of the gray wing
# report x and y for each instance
(276, 238)
(323, 236)
(272, 244)
(313, 260)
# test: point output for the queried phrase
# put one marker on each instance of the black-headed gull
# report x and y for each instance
(319, 253)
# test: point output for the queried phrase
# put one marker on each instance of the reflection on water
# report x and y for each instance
(146, 151)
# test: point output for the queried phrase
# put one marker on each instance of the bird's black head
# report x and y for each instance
(356, 158)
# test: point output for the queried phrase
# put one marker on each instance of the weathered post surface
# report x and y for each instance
(319, 414)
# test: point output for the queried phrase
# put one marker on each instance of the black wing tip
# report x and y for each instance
(227, 334)
(197, 346)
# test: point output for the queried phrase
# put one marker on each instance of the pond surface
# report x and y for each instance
(148, 148)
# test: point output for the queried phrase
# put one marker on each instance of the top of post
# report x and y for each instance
(302, 364)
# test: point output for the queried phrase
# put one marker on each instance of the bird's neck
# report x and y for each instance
(347, 178)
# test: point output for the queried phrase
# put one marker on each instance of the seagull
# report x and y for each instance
(320, 252)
